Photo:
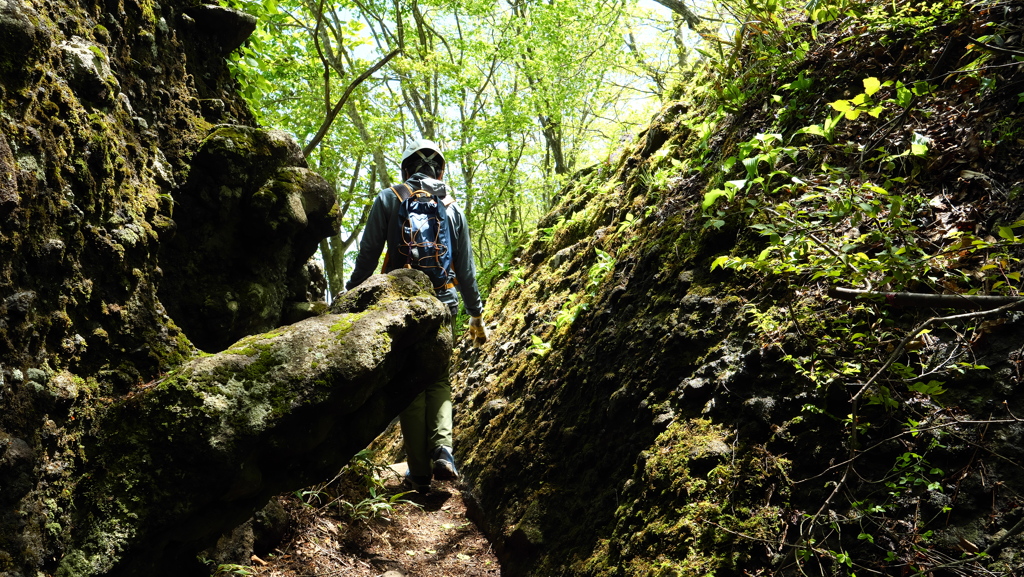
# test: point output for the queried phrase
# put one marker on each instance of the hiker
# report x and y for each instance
(427, 423)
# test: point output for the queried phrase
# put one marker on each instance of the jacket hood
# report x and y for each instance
(420, 181)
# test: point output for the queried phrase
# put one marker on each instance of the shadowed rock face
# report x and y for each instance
(203, 448)
(140, 212)
(248, 219)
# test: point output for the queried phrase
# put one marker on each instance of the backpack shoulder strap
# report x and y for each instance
(405, 194)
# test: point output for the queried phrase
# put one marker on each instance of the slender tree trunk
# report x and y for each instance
(379, 160)
(552, 130)
(334, 265)
(333, 249)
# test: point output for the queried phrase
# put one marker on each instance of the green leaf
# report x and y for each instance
(814, 129)
(720, 262)
(842, 105)
(930, 388)
(712, 197)
(1007, 233)
(871, 85)
(904, 96)
(830, 126)
(801, 83)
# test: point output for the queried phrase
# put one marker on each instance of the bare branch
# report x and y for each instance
(927, 300)
(341, 102)
(683, 10)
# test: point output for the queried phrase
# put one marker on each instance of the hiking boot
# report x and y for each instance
(444, 464)
(417, 483)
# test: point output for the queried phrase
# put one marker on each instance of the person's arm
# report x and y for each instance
(372, 242)
(465, 268)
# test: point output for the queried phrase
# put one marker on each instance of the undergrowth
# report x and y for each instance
(357, 493)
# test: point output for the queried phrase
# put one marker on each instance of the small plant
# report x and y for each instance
(570, 310)
(376, 506)
(548, 234)
(310, 497)
(379, 504)
(231, 569)
(538, 346)
(597, 273)
(626, 223)
(862, 103)
(226, 568)
(362, 472)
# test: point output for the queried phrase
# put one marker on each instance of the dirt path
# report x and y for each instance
(432, 538)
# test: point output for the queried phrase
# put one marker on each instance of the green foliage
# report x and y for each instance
(547, 234)
(763, 41)
(361, 474)
(576, 303)
(378, 505)
(836, 192)
(600, 269)
(231, 569)
(833, 225)
(516, 97)
(225, 569)
(918, 16)
(862, 103)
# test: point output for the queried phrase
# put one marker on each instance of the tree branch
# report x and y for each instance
(341, 102)
(683, 10)
(927, 300)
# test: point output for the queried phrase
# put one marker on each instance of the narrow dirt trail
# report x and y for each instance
(432, 538)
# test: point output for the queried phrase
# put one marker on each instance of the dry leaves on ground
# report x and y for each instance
(428, 537)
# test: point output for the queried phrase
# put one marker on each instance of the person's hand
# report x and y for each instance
(477, 330)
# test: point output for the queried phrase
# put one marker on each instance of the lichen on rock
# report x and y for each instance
(196, 453)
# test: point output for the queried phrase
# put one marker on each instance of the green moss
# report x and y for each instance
(345, 324)
(74, 564)
(253, 344)
(688, 504)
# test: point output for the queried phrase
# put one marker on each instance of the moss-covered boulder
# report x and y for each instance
(197, 452)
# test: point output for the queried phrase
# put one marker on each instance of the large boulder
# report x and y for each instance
(197, 452)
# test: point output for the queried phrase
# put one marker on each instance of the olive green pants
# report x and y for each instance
(427, 423)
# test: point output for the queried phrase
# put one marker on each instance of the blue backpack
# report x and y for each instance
(425, 235)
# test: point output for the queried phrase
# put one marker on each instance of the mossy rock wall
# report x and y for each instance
(103, 107)
(637, 412)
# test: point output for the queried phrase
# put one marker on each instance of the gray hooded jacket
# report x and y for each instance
(379, 232)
